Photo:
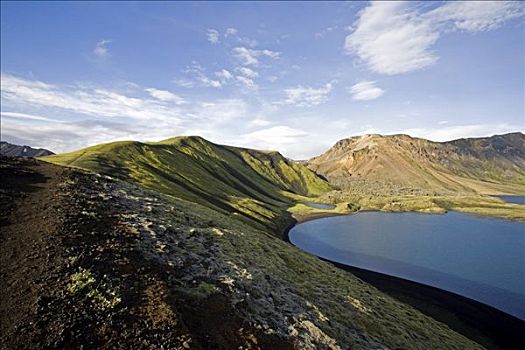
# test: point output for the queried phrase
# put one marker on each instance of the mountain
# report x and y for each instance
(489, 165)
(181, 243)
(8, 149)
(253, 185)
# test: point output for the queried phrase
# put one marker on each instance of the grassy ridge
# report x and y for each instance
(255, 186)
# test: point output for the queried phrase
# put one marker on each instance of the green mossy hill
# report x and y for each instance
(255, 186)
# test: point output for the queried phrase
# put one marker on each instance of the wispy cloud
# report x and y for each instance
(249, 57)
(395, 37)
(321, 34)
(453, 132)
(247, 82)
(101, 49)
(224, 75)
(196, 76)
(306, 96)
(391, 38)
(248, 72)
(16, 115)
(164, 95)
(475, 16)
(365, 90)
(94, 115)
(279, 137)
(86, 100)
(230, 31)
(220, 112)
(213, 36)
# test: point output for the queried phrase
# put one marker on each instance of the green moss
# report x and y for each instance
(80, 280)
(204, 290)
(104, 299)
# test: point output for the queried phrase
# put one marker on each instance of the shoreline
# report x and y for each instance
(484, 324)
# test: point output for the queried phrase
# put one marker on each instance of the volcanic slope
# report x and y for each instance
(254, 186)
(492, 165)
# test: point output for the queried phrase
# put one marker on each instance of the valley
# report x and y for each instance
(168, 239)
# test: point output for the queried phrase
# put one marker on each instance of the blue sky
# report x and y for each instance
(290, 76)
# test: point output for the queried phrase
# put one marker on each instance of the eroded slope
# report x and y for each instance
(486, 165)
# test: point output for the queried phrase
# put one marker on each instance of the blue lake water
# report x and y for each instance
(479, 258)
(319, 205)
(513, 199)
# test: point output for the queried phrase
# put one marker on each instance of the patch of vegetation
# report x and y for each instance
(104, 300)
(84, 280)
(80, 280)
(434, 204)
(204, 290)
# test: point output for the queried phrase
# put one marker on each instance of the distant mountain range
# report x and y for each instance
(196, 169)
(8, 149)
(483, 165)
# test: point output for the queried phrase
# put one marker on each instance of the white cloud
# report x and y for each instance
(474, 16)
(246, 78)
(197, 77)
(230, 32)
(221, 111)
(165, 96)
(302, 96)
(90, 115)
(213, 36)
(278, 137)
(321, 34)
(101, 50)
(394, 37)
(85, 100)
(454, 132)
(15, 115)
(224, 75)
(257, 122)
(245, 56)
(366, 90)
(250, 56)
(247, 82)
(248, 41)
(248, 72)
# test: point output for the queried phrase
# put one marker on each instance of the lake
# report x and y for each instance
(319, 205)
(513, 199)
(479, 258)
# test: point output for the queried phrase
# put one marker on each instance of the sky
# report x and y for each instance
(289, 76)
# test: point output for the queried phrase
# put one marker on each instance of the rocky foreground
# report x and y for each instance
(91, 262)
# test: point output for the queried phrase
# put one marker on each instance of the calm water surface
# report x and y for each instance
(513, 199)
(319, 205)
(480, 258)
